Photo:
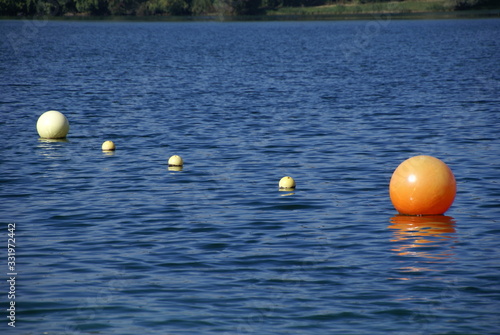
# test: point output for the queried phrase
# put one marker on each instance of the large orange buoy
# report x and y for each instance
(422, 185)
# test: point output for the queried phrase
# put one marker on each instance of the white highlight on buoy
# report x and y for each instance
(52, 124)
(108, 146)
(175, 160)
(286, 184)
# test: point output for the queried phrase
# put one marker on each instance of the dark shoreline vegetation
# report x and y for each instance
(186, 9)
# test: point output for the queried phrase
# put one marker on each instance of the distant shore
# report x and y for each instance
(409, 9)
(280, 17)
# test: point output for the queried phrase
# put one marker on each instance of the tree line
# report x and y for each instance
(142, 7)
(170, 7)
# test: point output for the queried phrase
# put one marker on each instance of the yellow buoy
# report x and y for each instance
(52, 124)
(286, 184)
(108, 146)
(175, 160)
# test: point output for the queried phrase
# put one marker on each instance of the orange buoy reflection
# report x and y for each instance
(429, 232)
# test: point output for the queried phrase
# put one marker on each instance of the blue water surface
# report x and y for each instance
(119, 244)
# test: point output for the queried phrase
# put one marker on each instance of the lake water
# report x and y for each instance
(119, 244)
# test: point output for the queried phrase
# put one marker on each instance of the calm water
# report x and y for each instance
(118, 244)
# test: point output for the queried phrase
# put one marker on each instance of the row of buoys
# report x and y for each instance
(421, 185)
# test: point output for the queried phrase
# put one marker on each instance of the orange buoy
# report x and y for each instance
(422, 185)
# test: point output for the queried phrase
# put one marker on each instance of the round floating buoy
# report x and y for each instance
(286, 184)
(108, 146)
(52, 124)
(175, 160)
(422, 185)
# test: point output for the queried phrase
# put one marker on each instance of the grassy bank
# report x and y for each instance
(396, 7)
(393, 7)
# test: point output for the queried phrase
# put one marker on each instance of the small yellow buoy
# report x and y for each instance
(52, 124)
(286, 184)
(108, 146)
(175, 160)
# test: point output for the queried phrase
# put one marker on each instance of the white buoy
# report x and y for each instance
(52, 124)
(175, 160)
(286, 184)
(108, 146)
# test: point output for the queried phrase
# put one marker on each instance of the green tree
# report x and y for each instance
(122, 7)
(272, 4)
(41, 7)
(11, 7)
(237, 7)
(94, 7)
(202, 7)
(246, 7)
(223, 7)
(178, 7)
(69, 6)
(158, 7)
